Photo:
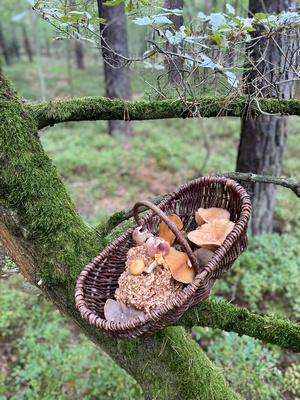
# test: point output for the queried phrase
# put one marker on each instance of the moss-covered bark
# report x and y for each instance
(89, 109)
(40, 227)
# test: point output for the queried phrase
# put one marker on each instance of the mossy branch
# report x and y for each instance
(93, 108)
(232, 318)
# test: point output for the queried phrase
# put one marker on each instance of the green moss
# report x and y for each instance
(31, 188)
(231, 318)
(92, 108)
(187, 372)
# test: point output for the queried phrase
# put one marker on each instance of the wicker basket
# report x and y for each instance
(99, 279)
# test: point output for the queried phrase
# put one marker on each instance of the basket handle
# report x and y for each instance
(171, 225)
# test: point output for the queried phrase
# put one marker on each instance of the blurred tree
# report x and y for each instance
(114, 49)
(4, 47)
(78, 47)
(27, 43)
(269, 73)
(174, 64)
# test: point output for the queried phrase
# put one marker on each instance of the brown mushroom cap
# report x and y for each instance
(205, 215)
(165, 232)
(212, 234)
(178, 265)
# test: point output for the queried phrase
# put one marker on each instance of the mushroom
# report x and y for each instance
(203, 256)
(147, 292)
(204, 215)
(212, 234)
(116, 311)
(140, 236)
(165, 232)
(178, 265)
(137, 267)
(157, 245)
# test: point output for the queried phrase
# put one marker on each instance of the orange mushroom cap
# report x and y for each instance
(178, 265)
(165, 232)
(205, 215)
(212, 234)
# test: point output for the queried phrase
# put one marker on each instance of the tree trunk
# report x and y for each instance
(15, 43)
(78, 47)
(262, 142)
(4, 48)
(79, 54)
(115, 53)
(27, 44)
(174, 65)
(41, 229)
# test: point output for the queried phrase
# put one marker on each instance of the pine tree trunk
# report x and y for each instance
(262, 142)
(78, 47)
(79, 55)
(3, 47)
(174, 65)
(115, 52)
(27, 44)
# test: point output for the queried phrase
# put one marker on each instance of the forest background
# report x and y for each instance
(104, 174)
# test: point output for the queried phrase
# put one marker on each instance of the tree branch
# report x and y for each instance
(93, 108)
(232, 318)
(256, 178)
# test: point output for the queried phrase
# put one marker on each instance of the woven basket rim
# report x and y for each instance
(189, 290)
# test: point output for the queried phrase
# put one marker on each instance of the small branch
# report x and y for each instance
(99, 108)
(250, 177)
(122, 216)
(232, 318)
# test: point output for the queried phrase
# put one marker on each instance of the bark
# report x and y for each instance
(114, 49)
(174, 65)
(272, 63)
(41, 229)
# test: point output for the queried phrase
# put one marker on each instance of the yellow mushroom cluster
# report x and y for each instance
(157, 269)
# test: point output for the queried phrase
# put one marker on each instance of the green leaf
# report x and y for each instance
(99, 20)
(19, 16)
(216, 19)
(230, 9)
(161, 19)
(142, 21)
(216, 37)
(129, 6)
(144, 2)
(231, 78)
(113, 2)
(260, 16)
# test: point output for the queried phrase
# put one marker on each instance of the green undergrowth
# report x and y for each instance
(265, 277)
(44, 357)
(252, 369)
